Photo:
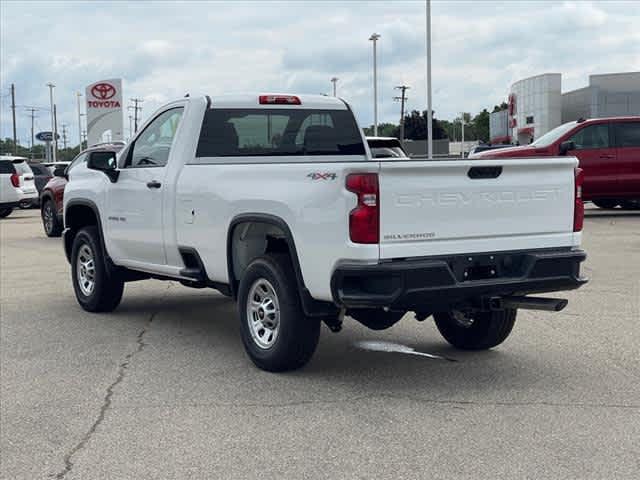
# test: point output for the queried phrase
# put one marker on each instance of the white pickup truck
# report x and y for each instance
(276, 201)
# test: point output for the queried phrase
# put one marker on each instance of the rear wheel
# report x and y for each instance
(52, 226)
(97, 289)
(275, 332)
(475, 331)
(5, 212)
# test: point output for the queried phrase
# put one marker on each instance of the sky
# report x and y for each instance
(163, 50)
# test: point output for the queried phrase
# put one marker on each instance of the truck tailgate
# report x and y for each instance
(463, 206)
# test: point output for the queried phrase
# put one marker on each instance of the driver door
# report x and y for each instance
(134, 203)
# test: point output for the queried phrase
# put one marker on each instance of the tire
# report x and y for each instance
(376, 318)
(288, 338)
(50, 222)
(606, 203)
(105, 294)
(485, 330)
(5, 212)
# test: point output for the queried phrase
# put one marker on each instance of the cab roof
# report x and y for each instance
(253, 100)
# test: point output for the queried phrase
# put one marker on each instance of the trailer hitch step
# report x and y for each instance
(528, 303)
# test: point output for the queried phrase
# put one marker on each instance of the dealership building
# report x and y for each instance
(537, 104)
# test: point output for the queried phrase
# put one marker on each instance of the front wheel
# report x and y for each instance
(475, 331)
(97, 289)
(276, 333)
(5, 212)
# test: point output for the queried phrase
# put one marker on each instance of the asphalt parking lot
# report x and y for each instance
(161, 388)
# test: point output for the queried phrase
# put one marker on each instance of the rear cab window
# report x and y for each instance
(627, 134)
(246, 132)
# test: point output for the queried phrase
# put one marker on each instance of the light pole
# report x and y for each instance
(374, 38)
(429, 105)
(78, 95)
(462, 135)
(334, 80)
(53, 122)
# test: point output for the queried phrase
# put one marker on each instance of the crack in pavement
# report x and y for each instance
(106, 403)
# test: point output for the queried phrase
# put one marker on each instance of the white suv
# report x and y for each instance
(16, 184)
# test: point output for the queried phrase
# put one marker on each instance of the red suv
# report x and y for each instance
(609, 153)
(53, 192)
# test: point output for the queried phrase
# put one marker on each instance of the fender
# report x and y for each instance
(68, 237)
(310, 306)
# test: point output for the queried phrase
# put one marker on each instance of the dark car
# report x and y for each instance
(41, 175)
(52, 194)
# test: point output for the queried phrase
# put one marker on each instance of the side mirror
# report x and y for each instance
(104, 162)
(60, 172)
(567, 146)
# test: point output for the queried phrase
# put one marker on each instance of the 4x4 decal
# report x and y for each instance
(322, 176)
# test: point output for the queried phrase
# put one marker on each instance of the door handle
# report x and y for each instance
(154, 184)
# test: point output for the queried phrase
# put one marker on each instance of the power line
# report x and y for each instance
(402, 99)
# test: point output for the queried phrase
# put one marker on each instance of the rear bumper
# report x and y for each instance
(442, 283)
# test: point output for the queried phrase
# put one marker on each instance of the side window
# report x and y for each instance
(593, 136)
(82, 158)
(152, 147)
(627, 134)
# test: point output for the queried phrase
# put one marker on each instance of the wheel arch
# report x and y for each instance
(78, 214)
(310, 306)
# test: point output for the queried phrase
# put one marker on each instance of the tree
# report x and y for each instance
(499, 108)
(384, 130)
(480, 125)
(415, 126)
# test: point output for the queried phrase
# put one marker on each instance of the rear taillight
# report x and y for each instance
(578, 207)
(279, 100)
(364, 220)
(15, 180)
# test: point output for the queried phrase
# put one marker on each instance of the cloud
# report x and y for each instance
(163, 50)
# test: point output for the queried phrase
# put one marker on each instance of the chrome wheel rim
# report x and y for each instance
(86, 270)
(47, 215)
(263, 313)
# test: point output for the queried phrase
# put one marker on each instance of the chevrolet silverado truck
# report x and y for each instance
(276, 201)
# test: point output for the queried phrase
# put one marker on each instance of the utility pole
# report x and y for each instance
(374, 38)
(53, 122)
(33, 111)
(13, 113)
(64, 136)
(429, 104)
(334, 80)
(78, 95)
(402, 99)
(136, 109)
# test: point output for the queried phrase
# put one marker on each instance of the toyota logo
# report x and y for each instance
(103, 91)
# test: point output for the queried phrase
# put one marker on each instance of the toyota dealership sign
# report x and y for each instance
(104, 111)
